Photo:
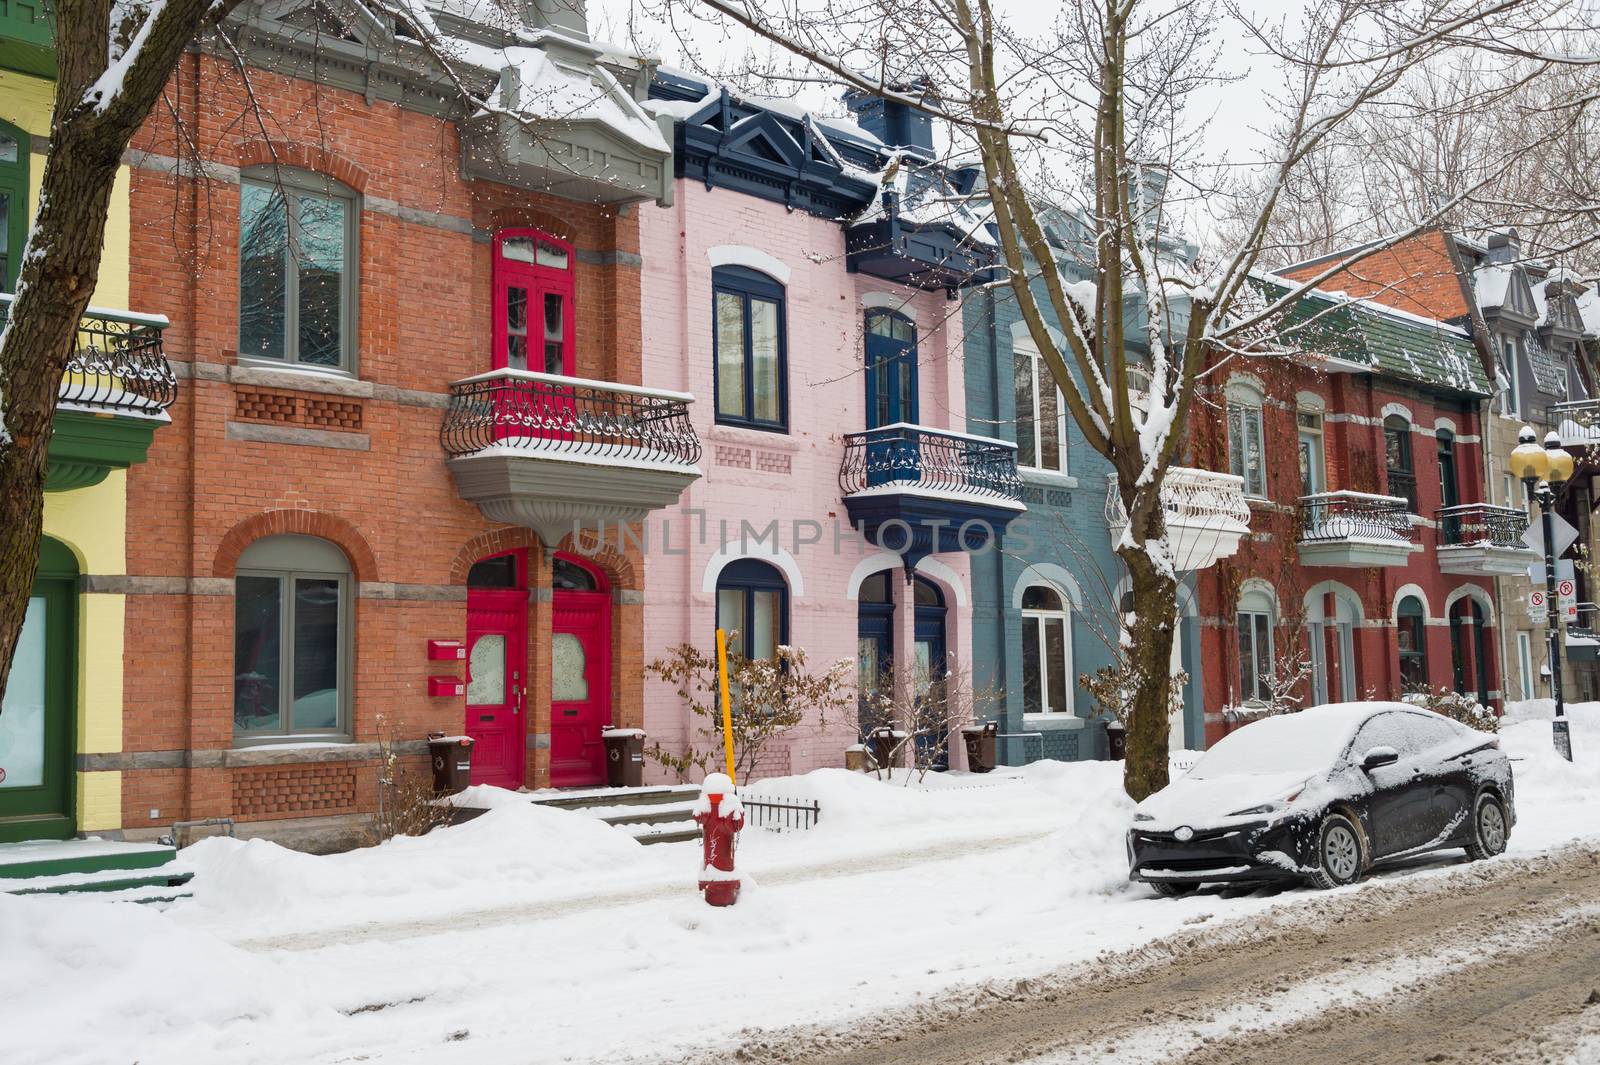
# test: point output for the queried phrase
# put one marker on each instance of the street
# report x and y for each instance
(1485, 963)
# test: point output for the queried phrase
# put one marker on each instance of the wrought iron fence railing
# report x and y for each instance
(1403, 485)
(777, 814)
(117, 362)
(1479, 523)
(913, 456)
(1334, 516)
(569, 416)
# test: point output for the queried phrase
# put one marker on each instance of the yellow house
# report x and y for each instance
(63, 704)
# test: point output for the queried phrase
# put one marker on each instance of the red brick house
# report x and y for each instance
(1371, 552)
(410, 328)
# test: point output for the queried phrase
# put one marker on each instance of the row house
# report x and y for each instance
(1369, 566)
(1527, 321)
(803, 282)
(63, 727)
(407, 327)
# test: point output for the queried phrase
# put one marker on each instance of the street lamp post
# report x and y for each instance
(1541, 469)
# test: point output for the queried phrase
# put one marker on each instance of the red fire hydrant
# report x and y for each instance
(720, 817)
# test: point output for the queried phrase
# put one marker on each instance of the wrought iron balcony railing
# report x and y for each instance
(1332, 517)
(1474, 524)
(1576, 422)
(570, 417)
(117, 363)
(1403, 485)
(905, 456)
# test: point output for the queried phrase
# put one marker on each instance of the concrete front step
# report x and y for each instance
(598, 797)
(659, 814)
(104, 880)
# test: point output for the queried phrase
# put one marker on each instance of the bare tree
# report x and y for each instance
(1093, 112)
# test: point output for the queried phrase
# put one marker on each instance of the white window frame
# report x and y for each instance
(1024, 350)
(1064, 615)
(1511, 399)
(1302, 431)
(1249, 403)
(1255, 604)
(1525, 679)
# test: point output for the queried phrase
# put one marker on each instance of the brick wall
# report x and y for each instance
(370, 474)
(1416, 275)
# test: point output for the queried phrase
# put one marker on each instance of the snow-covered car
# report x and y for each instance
(1322, 795)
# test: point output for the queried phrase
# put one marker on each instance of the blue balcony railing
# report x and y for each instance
(913, 457)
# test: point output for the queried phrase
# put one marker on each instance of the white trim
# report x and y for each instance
(867, 567)
(1310, 402)
(1020, 334)
(1245, 382)
(1477, 595)
(1403, 591)
(1397, 408)
(1447, 424)
(732, 551)
(1051, 576)
(1259, 584)
(753, 258)
(1340, 591)
(932, 567)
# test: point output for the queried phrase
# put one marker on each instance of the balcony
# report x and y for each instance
(1577, 423)
(1356, 530)
(1484, 541)
(113, 397)
(26, 41)
(559, 454)
(930, 254)
(919, 491)
(1206, 512)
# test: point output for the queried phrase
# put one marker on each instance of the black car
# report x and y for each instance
(1323, 795)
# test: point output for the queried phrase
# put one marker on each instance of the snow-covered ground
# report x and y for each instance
(532, 935)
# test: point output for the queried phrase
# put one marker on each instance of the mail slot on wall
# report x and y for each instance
(446, 686)
(446, 650)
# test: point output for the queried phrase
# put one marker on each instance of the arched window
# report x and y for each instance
(291, 640)
(1041, 413)
(750, 349)
(1246, 438)
(533, 303)
(1255, 620)
(1410, 633)
(753, 603)
(1397, 449)
(14, 146)
(297, 268)
(1047, 684)
(569, 576)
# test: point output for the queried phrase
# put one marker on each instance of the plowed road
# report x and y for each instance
(1496, 962)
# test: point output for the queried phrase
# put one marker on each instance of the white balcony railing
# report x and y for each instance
(1207, 514)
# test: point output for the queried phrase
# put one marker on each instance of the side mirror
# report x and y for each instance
(1378, 757)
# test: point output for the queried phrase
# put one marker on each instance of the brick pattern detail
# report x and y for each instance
(264, 407)
(772, 461)
(333, 413)
(293, 791)
(733, 456)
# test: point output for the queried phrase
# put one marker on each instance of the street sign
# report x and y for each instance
(1567, 598)
(1538, 606)
(1565, 536)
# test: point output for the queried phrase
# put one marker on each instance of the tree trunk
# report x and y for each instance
(1149, 654)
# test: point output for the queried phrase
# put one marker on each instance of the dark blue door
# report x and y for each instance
(874, 652)
(891, 364)
(933, 728)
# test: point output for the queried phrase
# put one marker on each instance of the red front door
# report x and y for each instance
(580, 683)
(497, 661)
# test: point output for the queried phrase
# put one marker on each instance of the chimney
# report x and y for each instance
(569, 16)
(895, 124)
(1503, 246)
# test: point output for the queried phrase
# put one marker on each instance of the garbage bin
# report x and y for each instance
(980, 745)
(1118, 740)
(884, 744)
(451, 758)
(624, 757)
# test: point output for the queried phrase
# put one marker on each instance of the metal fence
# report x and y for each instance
(117, 363)
(1479, 523)
(912, 456)
(568, 416)
(780, 815)
(1334, 516)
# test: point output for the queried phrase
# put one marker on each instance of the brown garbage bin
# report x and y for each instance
(624, 757)
(1117, 737)
(980, 740)
(884, 744)
(451, 758)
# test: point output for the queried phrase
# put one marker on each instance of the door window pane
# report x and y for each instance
(263, 271)
(1032, 684)
(486, 671)
(321, 263)
(257, 630)
(1055, 658)
(22, 711)
(316, 653)
(730, 355)
(764, 358)
(730, 617)
(569, 681)
(517, 249)
(767, 603)
(5, 241)
(555, 348)
(516, 327)
(552, 255)
(9, 152)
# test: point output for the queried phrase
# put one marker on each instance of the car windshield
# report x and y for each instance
(1307, 742)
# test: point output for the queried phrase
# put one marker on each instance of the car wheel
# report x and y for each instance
(1488, 828)
(1340, 856)
(1171, 889)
